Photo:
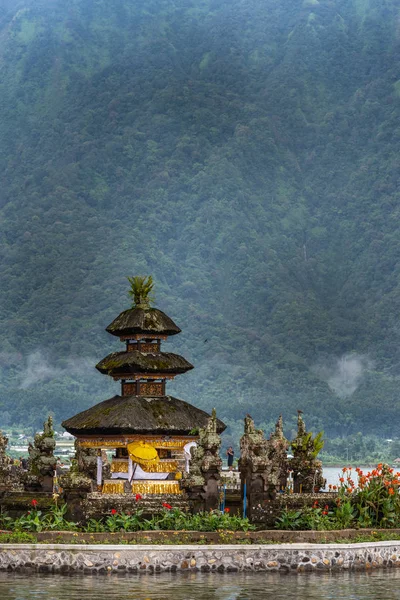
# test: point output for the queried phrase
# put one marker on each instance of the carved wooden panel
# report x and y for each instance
(129, 389)
(151, 389)
(148, 347)
(130, 347)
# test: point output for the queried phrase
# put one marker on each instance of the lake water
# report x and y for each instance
(332, 474)
(378, 585)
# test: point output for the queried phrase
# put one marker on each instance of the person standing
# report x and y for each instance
(230, 454)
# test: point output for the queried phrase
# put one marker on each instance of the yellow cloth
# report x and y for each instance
(156, 487)
(119, 466)
(113, 487)
(162, 467)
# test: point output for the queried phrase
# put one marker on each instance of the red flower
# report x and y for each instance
(391, 491)
(138, 497)
(227, 510)
(113, 511)
(166, 505)
(34, 503)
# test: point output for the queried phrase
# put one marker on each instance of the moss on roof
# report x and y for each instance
(140, 320)
(137, 414)
(135, 361)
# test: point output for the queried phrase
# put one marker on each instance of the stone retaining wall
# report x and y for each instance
(225, 558)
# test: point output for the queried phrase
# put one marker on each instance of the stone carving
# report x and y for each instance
(263, 463)
(10, 474)
(42, 461)
(83, 472)
(85, 461)
(278, 447)
(307, 469)
(201, 483)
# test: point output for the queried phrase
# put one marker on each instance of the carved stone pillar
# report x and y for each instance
(42, 462)
(202, 481)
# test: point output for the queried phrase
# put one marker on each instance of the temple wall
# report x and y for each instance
(224, 558)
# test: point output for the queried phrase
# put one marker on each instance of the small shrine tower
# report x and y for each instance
(142, 368)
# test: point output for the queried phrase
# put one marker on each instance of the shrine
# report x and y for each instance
(149, 432)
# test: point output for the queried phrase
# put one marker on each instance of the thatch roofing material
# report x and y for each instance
(139, 362)
(140, 320)
(136, 414)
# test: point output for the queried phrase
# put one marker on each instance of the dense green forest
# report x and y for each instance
(247, 155)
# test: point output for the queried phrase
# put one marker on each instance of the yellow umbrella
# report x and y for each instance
(143, 453)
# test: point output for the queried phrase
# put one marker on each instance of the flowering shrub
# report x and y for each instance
(168, 518)
(375, 499)
(121, 522)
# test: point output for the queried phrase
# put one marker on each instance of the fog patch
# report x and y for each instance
(38, 368)
(345, 374)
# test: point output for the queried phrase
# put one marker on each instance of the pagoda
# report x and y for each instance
(149, 431)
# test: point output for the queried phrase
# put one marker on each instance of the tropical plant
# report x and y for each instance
(125, 521)
(140, 292)
(375, 497)
(289, 519)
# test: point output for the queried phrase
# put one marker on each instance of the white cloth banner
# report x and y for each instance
(188, 456)
(99, 470)
(140, 474)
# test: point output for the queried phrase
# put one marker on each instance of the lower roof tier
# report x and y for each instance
(140, 362)
(140, 415)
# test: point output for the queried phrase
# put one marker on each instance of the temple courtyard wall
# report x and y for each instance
(285, 558)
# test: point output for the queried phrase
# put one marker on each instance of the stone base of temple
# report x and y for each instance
(112, 486)
(98, 505)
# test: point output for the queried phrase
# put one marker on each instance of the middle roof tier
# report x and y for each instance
(125, 363)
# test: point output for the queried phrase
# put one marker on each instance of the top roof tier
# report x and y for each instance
(142, 320)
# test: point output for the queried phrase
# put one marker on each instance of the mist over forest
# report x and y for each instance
(246, 154)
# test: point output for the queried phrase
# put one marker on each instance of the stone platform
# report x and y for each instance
(285, 558)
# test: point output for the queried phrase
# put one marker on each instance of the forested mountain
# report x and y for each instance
(244, 153)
